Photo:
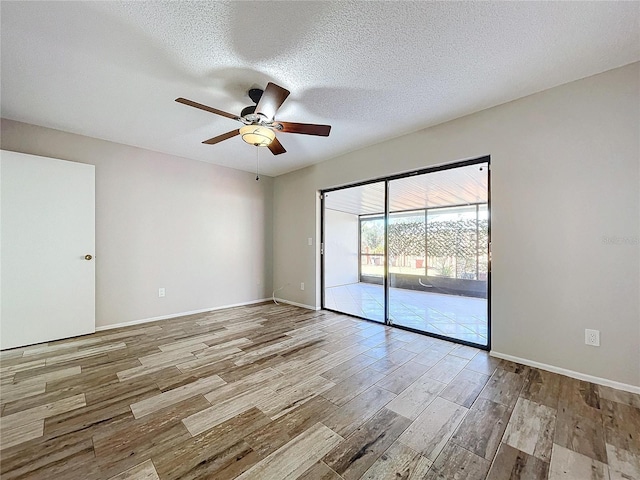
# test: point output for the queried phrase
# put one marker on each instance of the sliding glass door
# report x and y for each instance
(421, 243)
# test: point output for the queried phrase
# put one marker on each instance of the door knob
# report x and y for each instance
(88, 257)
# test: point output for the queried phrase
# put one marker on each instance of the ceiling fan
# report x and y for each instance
(260, 125)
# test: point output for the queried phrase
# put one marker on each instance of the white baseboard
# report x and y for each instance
(296, 304)
(569, 373)
(174, 315)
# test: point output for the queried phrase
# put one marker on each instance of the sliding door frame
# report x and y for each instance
(448, 166)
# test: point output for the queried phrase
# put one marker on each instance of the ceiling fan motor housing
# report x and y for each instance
(248, 110)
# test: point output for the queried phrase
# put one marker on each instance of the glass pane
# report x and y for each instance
(372, 247)
(438, 261)
(354, 251)
(452, 242)
(407, 245)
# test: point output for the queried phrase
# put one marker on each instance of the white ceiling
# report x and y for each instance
(373, 70)
(455, 186)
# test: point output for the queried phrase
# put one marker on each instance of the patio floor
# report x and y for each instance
(463, 318)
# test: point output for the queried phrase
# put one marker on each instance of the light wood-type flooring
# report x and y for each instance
(278, 392)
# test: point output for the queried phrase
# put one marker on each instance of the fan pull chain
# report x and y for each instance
(257, 164)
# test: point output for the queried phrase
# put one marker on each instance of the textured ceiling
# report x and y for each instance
(373, 70)
(455, 186)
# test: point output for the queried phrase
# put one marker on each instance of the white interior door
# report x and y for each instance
(47, 227)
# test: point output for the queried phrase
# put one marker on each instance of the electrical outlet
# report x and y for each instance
(592, 337)
(301, 285)
(161, 292)
(310, 241)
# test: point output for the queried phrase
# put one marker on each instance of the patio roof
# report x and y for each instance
(456, 186)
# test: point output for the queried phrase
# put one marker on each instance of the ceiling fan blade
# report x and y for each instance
(306, 128)
(271, 99)
(222, 137)
(276, 147)
(206, 108)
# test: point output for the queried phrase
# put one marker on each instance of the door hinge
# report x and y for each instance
(322, 249)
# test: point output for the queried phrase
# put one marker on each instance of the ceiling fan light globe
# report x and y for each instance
(257, 135)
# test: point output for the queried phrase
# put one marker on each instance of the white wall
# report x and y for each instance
(566, 218)
(201, 231)
(341, 248)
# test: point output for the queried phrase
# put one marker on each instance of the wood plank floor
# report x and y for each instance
(278, 392)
